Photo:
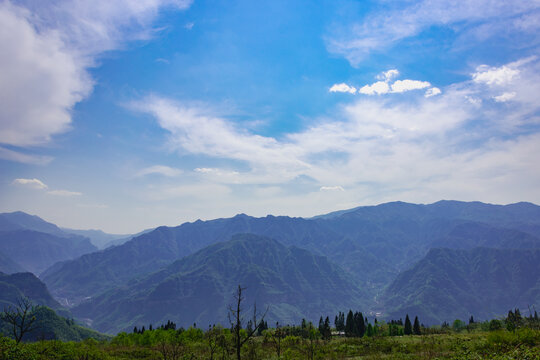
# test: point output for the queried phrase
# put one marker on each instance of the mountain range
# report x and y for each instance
(383, 253)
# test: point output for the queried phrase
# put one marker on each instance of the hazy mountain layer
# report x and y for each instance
(98, 238)
(22, 221)
(293, 283)
(36, 251)
(451, 284)
(372, 243)
(8, 266)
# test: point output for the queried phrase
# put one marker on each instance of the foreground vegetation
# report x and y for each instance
(496, 339)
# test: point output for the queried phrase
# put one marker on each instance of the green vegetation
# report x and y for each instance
(44, 324)
(454, 283)
(472, 341)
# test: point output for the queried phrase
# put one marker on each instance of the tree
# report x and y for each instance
(310, 342)
(349, 324)
(416, 326)
(327, 331)
(340, 326)
(276, 336)
(214, 337)
(235, 319)
(20, 318)
(407, 328)
(360, 325)
(369, 331)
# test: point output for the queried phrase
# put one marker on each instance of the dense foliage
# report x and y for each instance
(513, 338)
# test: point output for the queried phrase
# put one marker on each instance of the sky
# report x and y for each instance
(127, 115)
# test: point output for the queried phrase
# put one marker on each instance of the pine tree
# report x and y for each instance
(416, 326)
(135, 330)
(360, 328)
(407, 328)
(321, 325)
(327, 330)
(349, 325)
(471, 320)
(341, 321)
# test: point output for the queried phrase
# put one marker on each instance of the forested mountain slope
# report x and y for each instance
(293, 283)
(449, 284)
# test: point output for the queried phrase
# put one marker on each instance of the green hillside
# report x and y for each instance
(451, 284)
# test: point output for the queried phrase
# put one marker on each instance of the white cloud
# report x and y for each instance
(160, 170)
(215, 171)
(189, 25)
(432, 92)
(39, 185)
(64, 193)
(331, 188)
(406, 85)
(380, 149)
(343, 88)
(193, 129)
(388, 75)
(32, 183)
(504, 97)
(51, 46)
(380, 87)
(494, 75)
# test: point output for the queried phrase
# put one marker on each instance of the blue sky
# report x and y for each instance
(127, 115)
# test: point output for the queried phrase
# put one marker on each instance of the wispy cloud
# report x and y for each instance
(17, 156)
(389, 24)
(504, 97)
(331, 188)
(64, 193)
(432, 92)
(31, 183)
(378, 147)
(52, 46)
(160, 170)
(40, 185)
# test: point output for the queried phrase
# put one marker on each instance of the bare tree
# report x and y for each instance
(235, 319)
(20, 318)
